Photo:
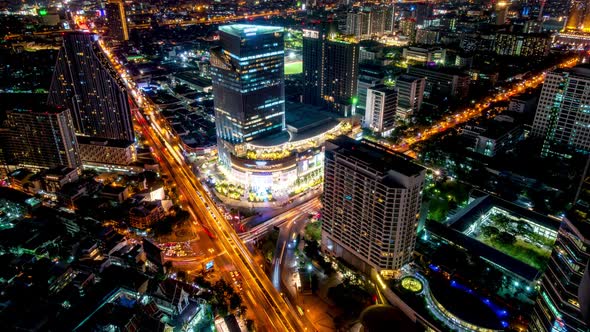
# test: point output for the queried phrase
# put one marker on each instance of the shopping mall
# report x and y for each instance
(289, 160)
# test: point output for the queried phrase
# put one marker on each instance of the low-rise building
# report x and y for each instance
(146, 214)
(96, 151)
(54, 179)
(118, 194)
(493, 137)
(424, 55)
(381, 108)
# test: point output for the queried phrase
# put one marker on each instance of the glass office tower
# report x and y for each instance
(248, 85)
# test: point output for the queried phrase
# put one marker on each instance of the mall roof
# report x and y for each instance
(484, 251)
(245, 30)
(467, 216)
(303, 122)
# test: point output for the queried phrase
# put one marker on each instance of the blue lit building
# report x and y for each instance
(260, 148)
(248, 85)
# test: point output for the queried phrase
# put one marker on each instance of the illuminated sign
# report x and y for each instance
(209, 265)
(42, 12)
(311, 34)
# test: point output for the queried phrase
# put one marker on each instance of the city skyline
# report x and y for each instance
(309, 166)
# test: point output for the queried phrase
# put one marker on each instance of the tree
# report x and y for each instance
(501, 221)
(490, 231)
(235, 301)
(250, 325)
(506, 238)
(201, 281)
(313, 231)
(181, 276)
(168, 266)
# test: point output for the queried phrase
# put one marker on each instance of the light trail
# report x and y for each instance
(276, 311)
(475, 111)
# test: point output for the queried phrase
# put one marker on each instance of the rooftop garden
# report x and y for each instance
(514, 237)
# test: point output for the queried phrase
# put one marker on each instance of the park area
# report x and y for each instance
(293, 68)
(515, 238)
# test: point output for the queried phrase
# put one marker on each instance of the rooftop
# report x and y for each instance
(581, 70)
(116, 143)
(246, 30)
(481, 249)
(408, 78)
(462, 220)
(378, 158)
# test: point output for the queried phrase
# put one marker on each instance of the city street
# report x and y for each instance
(261, 297)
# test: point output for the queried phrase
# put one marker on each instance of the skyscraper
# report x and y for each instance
(42, 138)
(117, 20)
(563, 113)
(380, 109)
(248, 84)
(340, 75)
(366, 22)
(358, 24)
(410, 92)
(371, 205)
(563, 303)
(85, 83)
(330, 70)
(313, 58)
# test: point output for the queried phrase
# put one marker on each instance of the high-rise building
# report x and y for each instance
(421, 11)
(563, 303)
(408, 28)
(442, 82)
(563, 113)
(371, 206)
(41, 138)
(378, 17)
(358, 24)
(380, 109)
(85, 82)
(366, 22)
(330, 71)
(389, 19)
(117, 20)
(340, 75)
(248, 85)
(313, 59)
(518, 44)
(410, 92)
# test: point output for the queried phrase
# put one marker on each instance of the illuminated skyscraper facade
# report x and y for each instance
(42, 138)
(248, 85)
(563, 303)
(563, 113)
(371, 206)
(330, 71)
(85, 82)
(313, 59)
